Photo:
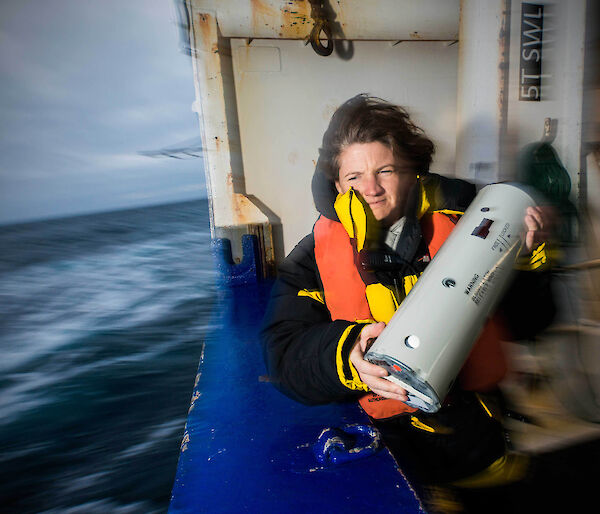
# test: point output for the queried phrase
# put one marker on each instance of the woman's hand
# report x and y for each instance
(371, 374)
(538, 221)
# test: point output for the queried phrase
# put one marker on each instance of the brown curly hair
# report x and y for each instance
(367, 119)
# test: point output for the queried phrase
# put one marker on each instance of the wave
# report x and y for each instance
(103, 320)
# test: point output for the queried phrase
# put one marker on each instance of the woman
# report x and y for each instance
(383, 218)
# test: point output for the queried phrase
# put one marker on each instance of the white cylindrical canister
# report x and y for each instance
(431, 334)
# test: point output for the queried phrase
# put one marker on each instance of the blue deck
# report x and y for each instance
(248, 448)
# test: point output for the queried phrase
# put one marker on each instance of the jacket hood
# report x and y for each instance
(324, 193)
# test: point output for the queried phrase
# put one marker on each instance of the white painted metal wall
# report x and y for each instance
(286, 95)
(562, 83)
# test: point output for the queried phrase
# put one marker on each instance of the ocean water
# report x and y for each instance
(102, 323)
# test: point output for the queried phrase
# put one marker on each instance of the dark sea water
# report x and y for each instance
(102, 322)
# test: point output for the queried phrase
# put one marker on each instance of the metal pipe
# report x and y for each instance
(482, 99)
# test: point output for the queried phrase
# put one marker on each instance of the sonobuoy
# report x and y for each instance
(431, 334)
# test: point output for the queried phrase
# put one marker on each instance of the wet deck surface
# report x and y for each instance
(248, 448)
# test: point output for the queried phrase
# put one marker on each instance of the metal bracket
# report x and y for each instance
(248, 271)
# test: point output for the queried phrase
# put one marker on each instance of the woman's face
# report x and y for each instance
(382, 180)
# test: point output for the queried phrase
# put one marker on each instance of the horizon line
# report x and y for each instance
(55, 217)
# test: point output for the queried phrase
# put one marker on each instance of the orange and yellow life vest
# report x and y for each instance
(348, 297)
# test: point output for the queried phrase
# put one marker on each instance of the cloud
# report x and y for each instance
(133, 116)
(120, 161)
(24, 76)
(85, 86)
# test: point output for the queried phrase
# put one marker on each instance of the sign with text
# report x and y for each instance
(530, 67)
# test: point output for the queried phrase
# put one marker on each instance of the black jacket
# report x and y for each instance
(300, 340)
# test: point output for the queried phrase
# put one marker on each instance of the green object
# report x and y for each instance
(540, 167)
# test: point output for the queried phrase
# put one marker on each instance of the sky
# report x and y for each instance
(85, 85)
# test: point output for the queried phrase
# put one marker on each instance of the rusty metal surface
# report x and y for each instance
(216, 104)
(351, 19)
